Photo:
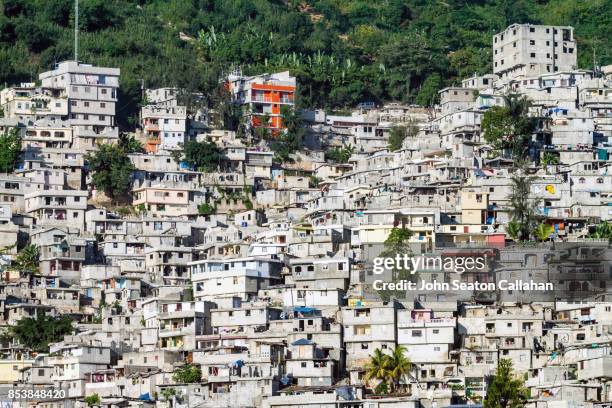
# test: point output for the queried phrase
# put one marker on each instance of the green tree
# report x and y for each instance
(112, 170)
(206, 209)
(522, 208)
(509, 126)
(388, 368)
(187, 374)
(27, 259)
(396, 137)
(129, 144)
(376, 367)
(399, 133)
(505, 391)
(10, 149)
(549, 159)
(341, 52)
(542, 231)
(37, 333)
(513, 229)
(168, 393)
(603, 230)
(428, 94)
(204, 156)
(290, 139)
(92, 400)
(397, 244)
(340, 154)
(398, 365)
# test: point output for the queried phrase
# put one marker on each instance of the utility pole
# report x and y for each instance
(76, 30)
(594, 56)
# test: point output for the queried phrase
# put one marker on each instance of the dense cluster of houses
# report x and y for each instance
(259, 274)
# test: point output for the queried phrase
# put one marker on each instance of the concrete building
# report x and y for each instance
(526, 50)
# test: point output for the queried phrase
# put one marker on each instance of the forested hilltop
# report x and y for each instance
(342, 51)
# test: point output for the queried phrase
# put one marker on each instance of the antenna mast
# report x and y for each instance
(76, 30)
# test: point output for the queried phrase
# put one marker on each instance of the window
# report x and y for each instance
(532, 55)
(417, 333)
(86, 104)
(102, 105)
(531, 42)
(103, 91)
(532, 29)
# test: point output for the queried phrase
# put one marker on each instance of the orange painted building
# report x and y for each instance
(264, 95)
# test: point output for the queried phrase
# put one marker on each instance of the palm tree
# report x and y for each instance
(398, 365)
(376, 368)
(388, 367)
(543, 231)
(522, 208)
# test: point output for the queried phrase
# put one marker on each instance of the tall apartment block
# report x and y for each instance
(92, 95)
(264, 95)
(525, 50)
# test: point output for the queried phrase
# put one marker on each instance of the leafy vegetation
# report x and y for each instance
(187, 374)
(399, 133)
(10, 149)
(340, 154)
(549, 159)
(509, 127)
(112, 170)
(514, 230)
(397, 243)
(37, 333)
(342, 51)
(204, 156)
(388, 369)
(522, 208)
(129, 144)
(27, 259)
(290, 140)
(505, 391)
(602, 230)
(92, 400)
(542, 231)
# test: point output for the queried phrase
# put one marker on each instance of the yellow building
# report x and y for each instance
(10, 370)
